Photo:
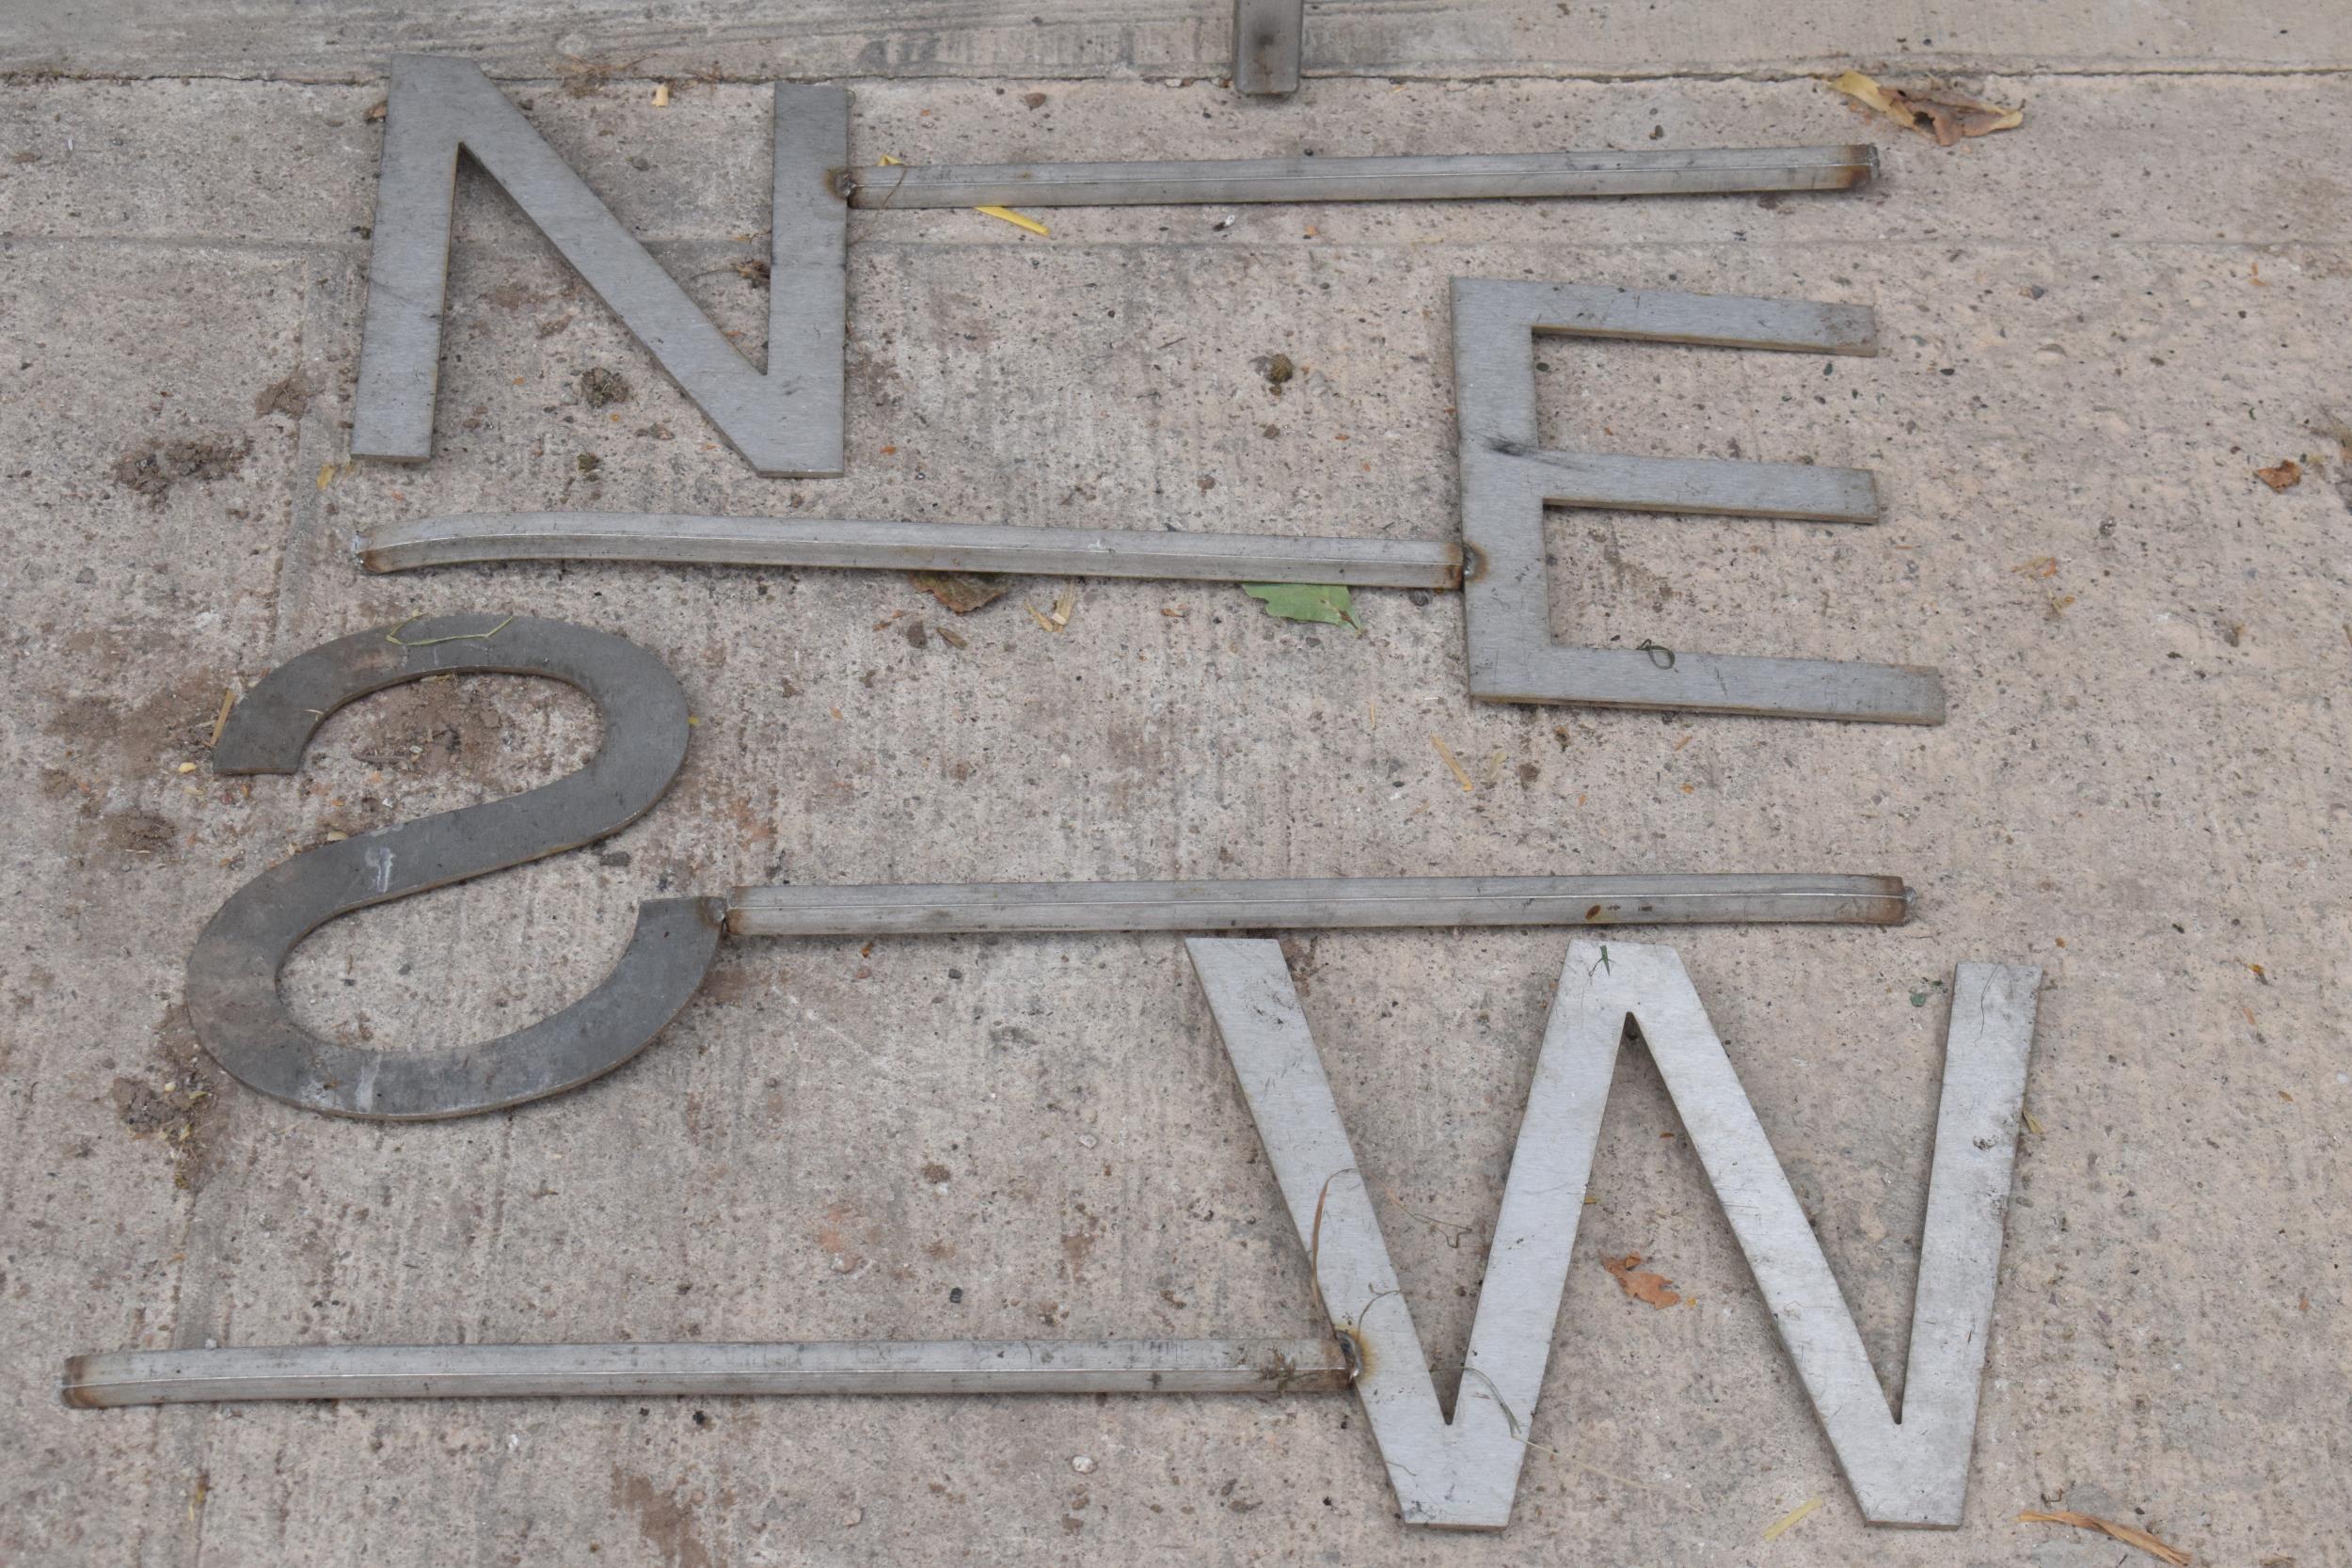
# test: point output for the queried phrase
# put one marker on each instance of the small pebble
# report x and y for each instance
(855, 1517)
(1086, 1140)
(1084, 1464)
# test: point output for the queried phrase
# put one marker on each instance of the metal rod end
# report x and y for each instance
(74, 1387)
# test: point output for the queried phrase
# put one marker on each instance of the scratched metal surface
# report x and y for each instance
(832, 1140)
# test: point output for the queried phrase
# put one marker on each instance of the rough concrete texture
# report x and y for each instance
(2096, 329)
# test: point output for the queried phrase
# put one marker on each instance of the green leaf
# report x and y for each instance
(1306, 601)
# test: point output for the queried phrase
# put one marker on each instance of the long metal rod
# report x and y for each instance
(1470, 176)
(1322, 903)
(838, 1367)
(681, 538)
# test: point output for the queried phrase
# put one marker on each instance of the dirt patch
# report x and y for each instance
(105, 738)
(1299, 957)
(665, 1519)
(107, 754)
(600, 388)
(587, 78)
(175, 1104)
(1629, 576)
(466, 727)
(289, 395)
(842, 1233)
(138, 833)
(1077, 1247)
(516, 296)
(153, 472)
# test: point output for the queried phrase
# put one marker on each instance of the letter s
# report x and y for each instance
(232, 972)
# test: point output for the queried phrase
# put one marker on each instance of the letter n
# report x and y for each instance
(785, 421)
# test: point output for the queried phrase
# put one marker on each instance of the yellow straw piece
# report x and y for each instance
(1460, 777)
(1792, 1519)
(1019, 220)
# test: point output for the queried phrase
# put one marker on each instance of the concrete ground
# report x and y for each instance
(2096, 329)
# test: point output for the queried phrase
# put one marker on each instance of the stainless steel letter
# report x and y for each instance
(1507, 481)
(1464, 1474)
(785, 421)
(232, 971)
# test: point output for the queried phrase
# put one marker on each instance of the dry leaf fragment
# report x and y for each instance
(2128, 1534)
(2040, 566)
(2285, 474)
(1063, 604)
(961, 592)
(1937, 111)
(661, 95)
(1639, 1283)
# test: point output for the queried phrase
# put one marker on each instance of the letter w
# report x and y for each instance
(1464, 1474)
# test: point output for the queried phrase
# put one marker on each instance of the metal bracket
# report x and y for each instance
(1463, 1474)
(1507, 481)
(1269, 39)
(785, 421)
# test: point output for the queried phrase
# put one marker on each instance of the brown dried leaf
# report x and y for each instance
(1639, 1283)
(2128, 1534)
(1934, 111)
(961, 592)
(2285, 474)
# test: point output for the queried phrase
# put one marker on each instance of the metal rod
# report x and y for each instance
(1470, 176)
(1324, 903)
(122, 1378)
(681, 539)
